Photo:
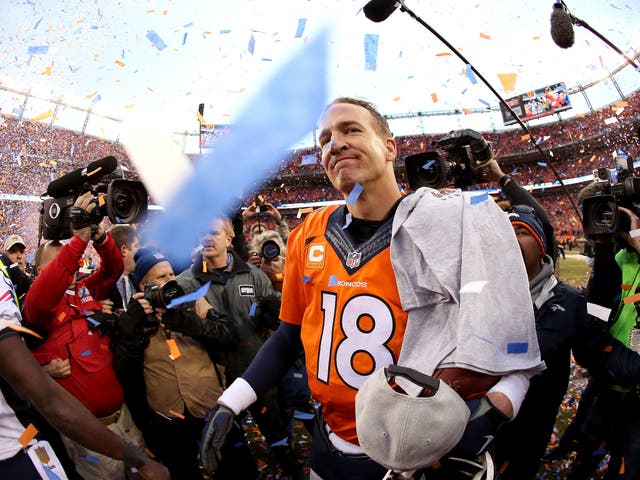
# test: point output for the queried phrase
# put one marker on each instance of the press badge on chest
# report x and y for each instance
(247, 291)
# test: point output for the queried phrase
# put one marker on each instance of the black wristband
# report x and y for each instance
(100, 239)
(503, 180)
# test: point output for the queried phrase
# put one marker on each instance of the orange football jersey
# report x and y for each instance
(345, 298)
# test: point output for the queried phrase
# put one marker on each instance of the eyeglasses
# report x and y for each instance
(521, 209)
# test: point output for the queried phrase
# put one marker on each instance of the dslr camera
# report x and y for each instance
(159, 296)
(460, 157)
(123, 201)
(600, 213)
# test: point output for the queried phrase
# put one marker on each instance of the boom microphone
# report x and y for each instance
(562, 25)
(72, 180)
(379, 10)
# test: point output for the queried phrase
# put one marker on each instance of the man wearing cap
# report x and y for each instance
(127, 240)
(13, 260)
(165, 360)
(562, 326)
(432, 282)
(76, 352)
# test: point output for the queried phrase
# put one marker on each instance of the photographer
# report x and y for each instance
(76, 351)
(268, 254)
(266, 210)
(166, 362)
(612, 421)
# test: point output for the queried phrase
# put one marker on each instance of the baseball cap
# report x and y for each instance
(525, 216)
(13, 240)
(146, 258)
(404, 432)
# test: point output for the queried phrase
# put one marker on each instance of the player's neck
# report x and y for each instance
(375, 202)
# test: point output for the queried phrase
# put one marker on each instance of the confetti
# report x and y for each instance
(355, 194)
(119, 63)
(470, 74)
(156, 40)
(190, 297)
(252, 45)
(28, 435)
(301, 24)
(508, 81)
(479, 198)
(485, 36)
(517, 347)
(306, 279)
(333, 280)
(631, 298)
(370, 51)
(38, 50)
(434, 98)
(174, 351)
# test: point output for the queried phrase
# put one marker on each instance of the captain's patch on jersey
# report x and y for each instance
(316, 256)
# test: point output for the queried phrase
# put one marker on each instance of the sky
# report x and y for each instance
(160, 59)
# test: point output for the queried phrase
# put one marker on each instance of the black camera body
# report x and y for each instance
(159, 296)
(600, 213)
(123, 201)
(464, 158)
(270, 250)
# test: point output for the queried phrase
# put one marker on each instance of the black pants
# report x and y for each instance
(19, 466)
(176, 444)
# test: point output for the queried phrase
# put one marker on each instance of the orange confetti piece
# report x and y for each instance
(150, 89)
(443, 54)
(28, 435)
(536, 37)
(150, 453)
(621, 104)
(608, 348)
(151, 11)
(631, 298)
(580, 115)
(119, 63)
(525, 137)
(593, 157)
(79, 21)
(434, 98)
(101, 201)
(466, 111)
(164, 12)
(127, 107)
(279, 276)
(201, 119)
(396, 99)
(174, 351)
(42, 116)
(104, 346)
(204, 266)
(485, 36)
(626, 286)
(176, 414)
(508, 81)
(47, 71)
(91, 95)
(582, 150)
(261, 198)
(207, 33)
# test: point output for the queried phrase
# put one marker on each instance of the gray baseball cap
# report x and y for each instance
(404, 432)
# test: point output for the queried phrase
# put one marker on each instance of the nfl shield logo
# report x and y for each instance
(353, 260)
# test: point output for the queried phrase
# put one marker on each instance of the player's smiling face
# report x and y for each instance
(353, 148)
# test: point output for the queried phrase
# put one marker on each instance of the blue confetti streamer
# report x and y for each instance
(517, 347)
(355, 194)
(542, 164)
(92, 459)
(184, 38)
(333, 280)
(190, 297)
(471, 75)
(38, 50)
(252, 45)
(479, 198)
(224, 32)
(93, 321)
(96, 99)
(187, 25)
(156, 40)
(347, 221)
(86, 353)
(306, 279)
(370, 51)
(302, 22)
(484, 102)
(37, 23)
(252, 310)
(274, 120)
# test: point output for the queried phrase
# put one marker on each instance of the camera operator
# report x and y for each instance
(76, 350)
(166, 362)
(613, 422)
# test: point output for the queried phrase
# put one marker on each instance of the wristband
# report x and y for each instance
(503, 180)
(133, 458)
(100, 239)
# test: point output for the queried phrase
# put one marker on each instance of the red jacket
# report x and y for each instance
(62, 312)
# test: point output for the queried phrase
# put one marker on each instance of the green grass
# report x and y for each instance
(574, 270)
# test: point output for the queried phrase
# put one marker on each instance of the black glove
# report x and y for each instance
(135, 326)
(267, 314)
(183, 321)
(219, 423)
(483, 423)
(104, 323)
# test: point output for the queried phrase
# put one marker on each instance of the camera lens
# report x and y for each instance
(270, 250)
(604, 216)
(126, 201)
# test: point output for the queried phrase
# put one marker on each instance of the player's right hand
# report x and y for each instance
(214, 433)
